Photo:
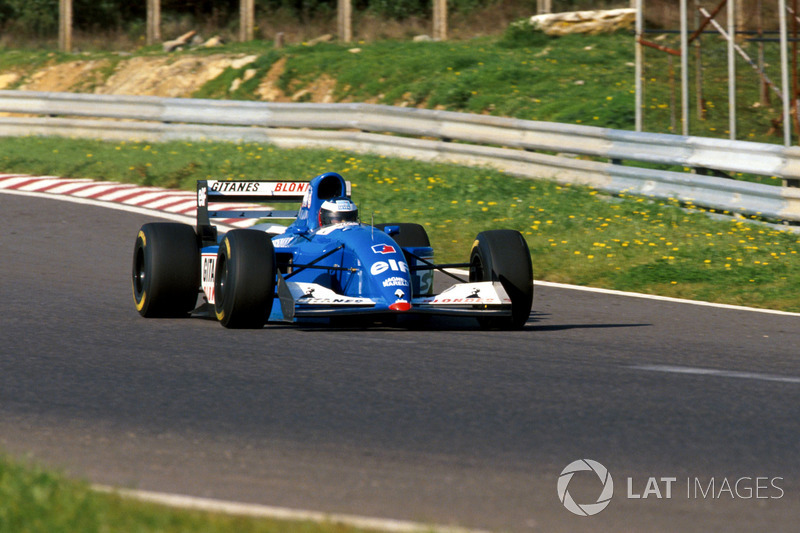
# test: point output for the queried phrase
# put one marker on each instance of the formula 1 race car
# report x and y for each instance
(325, 265)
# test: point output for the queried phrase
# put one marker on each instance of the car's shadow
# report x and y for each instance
(445, 323)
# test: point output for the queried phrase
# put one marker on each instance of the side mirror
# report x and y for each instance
(391, 230)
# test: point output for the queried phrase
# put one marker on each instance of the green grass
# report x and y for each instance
(34, 500)
(576, 234)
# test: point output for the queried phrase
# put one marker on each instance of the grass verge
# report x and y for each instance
(576, 234)
(34, 500)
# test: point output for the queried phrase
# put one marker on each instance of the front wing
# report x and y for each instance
(478, 299)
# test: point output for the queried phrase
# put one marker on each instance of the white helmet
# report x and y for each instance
(337, 210)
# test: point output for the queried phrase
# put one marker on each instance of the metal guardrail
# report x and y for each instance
(519, 147)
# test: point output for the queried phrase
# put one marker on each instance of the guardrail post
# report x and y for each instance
(790, 170)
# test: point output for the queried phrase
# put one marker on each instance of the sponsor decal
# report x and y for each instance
(470, 300)
(395, 281)
(309, 294)
(383, 249)
(282, 242)
(291, 187)
(235, 186)
(380, 267)
(334, 301)
(201, 197)
(280, 188)
(208, 270)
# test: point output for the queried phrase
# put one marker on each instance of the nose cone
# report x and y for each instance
(400, 306)
(388, 274)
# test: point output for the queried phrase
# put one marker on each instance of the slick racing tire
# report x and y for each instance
(503, 255)
(166, 270)
(409, 236)
(244, 280)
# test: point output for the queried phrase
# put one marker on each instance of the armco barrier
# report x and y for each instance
(519, 147)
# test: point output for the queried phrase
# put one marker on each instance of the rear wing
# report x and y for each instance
(225, 193)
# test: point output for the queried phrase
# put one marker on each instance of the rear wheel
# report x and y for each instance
(244, 281)
(166, 270)
(503, 255)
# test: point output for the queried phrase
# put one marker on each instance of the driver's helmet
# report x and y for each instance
(337, 210)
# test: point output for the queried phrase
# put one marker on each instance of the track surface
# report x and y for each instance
(450, 425)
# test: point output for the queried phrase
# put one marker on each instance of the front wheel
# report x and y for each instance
(503, 255)
(244, 281)
(166, 270)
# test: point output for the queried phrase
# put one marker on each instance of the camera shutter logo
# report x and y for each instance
(585, 509)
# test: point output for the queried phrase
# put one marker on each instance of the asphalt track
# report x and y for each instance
(447, 425)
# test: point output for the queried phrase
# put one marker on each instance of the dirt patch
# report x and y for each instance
(169, 77)
(75, 76)
(8, 79)
(319, 91)
(268, 88)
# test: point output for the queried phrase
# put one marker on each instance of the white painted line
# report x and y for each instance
(279, 513)
(693, 371)
(663, 298)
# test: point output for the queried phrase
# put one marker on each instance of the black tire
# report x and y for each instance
(244, 280)
(503, 255)
(410, 235)
(166, 270)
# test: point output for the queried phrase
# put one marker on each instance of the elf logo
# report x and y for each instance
(380, 267)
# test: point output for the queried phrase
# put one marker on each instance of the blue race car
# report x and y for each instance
(325, 265)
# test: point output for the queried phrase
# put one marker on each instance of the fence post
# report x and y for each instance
(153, 21)
(440, 20)
(545, 6)
(344, 13)
(246, 20)
(65, 25)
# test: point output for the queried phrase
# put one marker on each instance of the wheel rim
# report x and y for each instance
(221, 277)
(476, 272)
(139, 273)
